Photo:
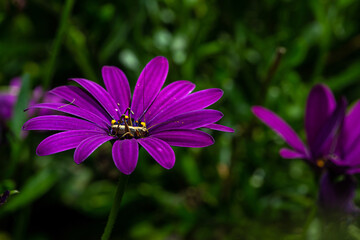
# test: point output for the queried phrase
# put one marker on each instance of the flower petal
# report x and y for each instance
(278, 125)
(185, 138)
(88, 146)
(190, 120)
(125, 154)
(63, 141)
(337, 196)
(192, 102)
(323, 143)
(352, 158)
(290, 154)
(117, 85)
(320, 105)
(7, 103)
(219, 127)
(73, 110)
(353, 170)
(59, 123)
(159, 150)
(170, 94)
(351, 129)
(80, 98)
(102, 96)
(150, 82)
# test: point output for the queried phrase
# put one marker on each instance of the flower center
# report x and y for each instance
(320, 163)
(127, 128)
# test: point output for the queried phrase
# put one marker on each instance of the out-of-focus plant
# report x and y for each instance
(332, 151)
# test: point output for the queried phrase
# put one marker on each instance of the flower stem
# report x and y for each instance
(116, 206)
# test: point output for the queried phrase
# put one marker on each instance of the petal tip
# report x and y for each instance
(39, 152)
(160, 58)
(231, 130)
(168, 167)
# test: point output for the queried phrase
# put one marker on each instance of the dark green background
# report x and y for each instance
(239, 188)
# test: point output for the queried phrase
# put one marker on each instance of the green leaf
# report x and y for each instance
(19, 115)
(35, 187)
(346, 78)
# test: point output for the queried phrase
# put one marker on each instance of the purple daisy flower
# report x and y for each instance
(333, 145)
(154, 118)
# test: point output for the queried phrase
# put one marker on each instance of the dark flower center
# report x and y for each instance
(320, 162)
(127, 128)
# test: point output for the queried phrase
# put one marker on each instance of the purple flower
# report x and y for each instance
(4, 197)
(154, 118)
(333, 144)
(9, 97)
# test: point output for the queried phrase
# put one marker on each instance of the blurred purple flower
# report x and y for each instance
(154, 118)
(333, 145)
(9, 97)
(4, 197)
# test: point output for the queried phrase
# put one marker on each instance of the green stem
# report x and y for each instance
(116, 206)
(57, 42)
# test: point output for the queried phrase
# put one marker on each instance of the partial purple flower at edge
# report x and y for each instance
(333, 142)
(337, 194)
(154, 118)
(9, 97)
(4, 197)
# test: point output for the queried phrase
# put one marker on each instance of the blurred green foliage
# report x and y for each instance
(239, 188)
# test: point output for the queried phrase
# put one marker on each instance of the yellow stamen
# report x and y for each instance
(143, 124)
(113, 122)
(126, 116)
(320, 163)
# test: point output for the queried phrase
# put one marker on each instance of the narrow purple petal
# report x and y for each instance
(323, 141)
(190, 120)
(102, 96)
(290, 154)
(351, 129)
(352, 158)
(353, 170)
(88, 146)
(59, 123)
(219, 127)
(337, 196)
(170, 94)
(320, 105)
(63, 141)
(73, 110)
(192, 102)
(185, 138)
(150, 82)
(159, 150)
(7, 103)
(117, 85)
(125, 154)
(278, 125)
(80, 98)
(15, 84)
